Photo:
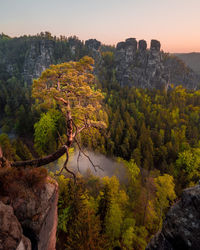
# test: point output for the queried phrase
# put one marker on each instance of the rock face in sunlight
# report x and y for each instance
(181, 228)
(138, 66)
(36, 218)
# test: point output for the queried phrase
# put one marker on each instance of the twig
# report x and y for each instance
(65, 166)
(79, 154)
(60, 139)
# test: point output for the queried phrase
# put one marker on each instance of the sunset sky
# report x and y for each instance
(175, 23)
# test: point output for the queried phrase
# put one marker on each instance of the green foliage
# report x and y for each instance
(8, 150)
(188, 166)
(132, 167)
(72, 82)
(165, 194)
(78, 226)
(152, 126)
(63, 219)
(22, 151)
(113, 223)
(155, 133)
(46, 131)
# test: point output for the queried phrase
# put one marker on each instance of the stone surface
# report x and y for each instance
(92, 44)
(181, 228)
(38, 217)
(30, 222)
(38, 57)
(142, 45)
(11, 234)
(155, 45)
(140, 67)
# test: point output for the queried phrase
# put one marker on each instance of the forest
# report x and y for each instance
(154, 134)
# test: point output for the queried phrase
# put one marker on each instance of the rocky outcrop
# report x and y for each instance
(37, 59)
(93, 50)
(92, 44)
(134, 63)
(34, 221)
(181, 228)
(137, 66)
(11, 233)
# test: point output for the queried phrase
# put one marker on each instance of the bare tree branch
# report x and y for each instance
(41, 161)
(79, 154)
(60, 139)
(65, 166)
(62, 100)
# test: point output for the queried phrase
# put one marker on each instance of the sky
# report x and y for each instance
(175, 23)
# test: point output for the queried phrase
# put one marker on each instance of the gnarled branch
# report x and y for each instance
(41, 161)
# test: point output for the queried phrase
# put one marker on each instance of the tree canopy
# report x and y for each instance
(70, 88)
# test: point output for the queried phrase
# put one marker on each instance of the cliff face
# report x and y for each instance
(135, 65)
(150, 68)
(11, 234)
(181, 228)
(38, 57)
(31, 222)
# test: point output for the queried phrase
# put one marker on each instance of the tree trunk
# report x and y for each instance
(54, 156)
(69, 128)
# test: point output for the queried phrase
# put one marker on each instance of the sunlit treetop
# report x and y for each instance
(71, 86)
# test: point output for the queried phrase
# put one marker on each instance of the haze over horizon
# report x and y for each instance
(173, 22)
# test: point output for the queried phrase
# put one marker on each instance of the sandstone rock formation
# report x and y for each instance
(137, 66)
(181, 228)
(11, 234)
(36, 215)
(92, 44)
(38, 57)
(134, 64)
(93, 50)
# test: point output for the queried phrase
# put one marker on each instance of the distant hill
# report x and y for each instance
(191, 59)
